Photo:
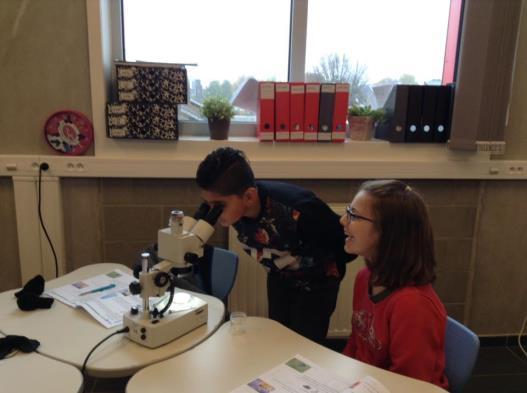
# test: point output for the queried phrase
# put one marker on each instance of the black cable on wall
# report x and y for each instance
(44, 167)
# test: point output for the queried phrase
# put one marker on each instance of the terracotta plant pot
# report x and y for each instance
(219, 128)
(361, 127)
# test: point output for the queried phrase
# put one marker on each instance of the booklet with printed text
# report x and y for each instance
(299, 375)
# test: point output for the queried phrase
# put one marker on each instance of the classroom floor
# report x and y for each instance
(499, 369)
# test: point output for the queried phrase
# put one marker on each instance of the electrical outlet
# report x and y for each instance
(492, 147)
(516, 170)
(75, 167)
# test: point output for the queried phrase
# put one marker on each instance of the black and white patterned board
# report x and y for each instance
(151, 82)
(142, 121)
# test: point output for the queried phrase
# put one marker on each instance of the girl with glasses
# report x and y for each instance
(398, 321)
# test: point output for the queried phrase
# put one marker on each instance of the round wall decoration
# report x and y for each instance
(69, 132)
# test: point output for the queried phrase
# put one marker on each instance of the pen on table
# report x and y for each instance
(98, 289)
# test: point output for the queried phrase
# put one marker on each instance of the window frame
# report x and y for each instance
(104, 17)
(295, 72)
(296, 60)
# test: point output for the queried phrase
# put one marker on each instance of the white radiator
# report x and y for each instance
(249, 293)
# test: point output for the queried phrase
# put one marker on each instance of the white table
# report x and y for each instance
(68, 334)
(226, 361)
(31, 372)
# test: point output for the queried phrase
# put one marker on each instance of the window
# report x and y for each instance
(370, 44)
(375, 44)
(229, 40)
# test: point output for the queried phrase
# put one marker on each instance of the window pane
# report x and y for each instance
(230, 41)
(376, 43)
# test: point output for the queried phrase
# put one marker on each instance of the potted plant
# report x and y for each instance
(362, 120)
(218, 111)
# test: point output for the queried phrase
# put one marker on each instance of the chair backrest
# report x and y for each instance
(224, 266)
(461, 352)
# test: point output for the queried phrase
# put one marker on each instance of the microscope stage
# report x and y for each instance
(186, 313)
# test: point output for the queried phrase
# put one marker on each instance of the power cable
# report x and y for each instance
(44, 167)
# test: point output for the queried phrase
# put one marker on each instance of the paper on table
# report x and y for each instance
(367, 385)
(105, 297)
(299, 375)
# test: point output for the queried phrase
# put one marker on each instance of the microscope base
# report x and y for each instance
(153, 333)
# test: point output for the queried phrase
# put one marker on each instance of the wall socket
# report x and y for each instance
(75, 167)
(493, 147)
(516, 170)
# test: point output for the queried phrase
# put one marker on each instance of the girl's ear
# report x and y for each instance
(250, 197)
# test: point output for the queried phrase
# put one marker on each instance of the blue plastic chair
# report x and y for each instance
(224, 266)
(461, 352)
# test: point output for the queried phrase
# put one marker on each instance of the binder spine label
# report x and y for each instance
(282, 87)
(342, 88)
(327, 88)
(338, 136)
(312, 88)
(297, 135)
(266, 136)
(297, 89)
(267, 91)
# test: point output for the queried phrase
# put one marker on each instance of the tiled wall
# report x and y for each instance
(121, 217)
(9, 262)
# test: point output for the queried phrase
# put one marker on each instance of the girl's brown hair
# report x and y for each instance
(405, 252)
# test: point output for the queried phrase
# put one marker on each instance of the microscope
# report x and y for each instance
(162, 319)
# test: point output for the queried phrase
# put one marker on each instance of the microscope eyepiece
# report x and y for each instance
(213, 214)
(202, 211)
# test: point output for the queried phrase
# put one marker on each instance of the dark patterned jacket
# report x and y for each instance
(295, 235)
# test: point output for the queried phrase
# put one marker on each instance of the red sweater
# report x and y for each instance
(402, 331)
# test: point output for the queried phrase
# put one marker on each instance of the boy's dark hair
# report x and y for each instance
(225, 171)
(405, 253)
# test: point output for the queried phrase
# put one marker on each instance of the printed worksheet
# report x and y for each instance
(79, 292)
(299, 375)
(105, 297)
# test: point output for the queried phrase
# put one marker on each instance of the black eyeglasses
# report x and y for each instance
(355, 217)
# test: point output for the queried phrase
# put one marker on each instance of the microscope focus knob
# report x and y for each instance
(191, 258)
(135, 288)
(161, 279)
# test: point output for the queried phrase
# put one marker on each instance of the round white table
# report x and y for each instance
(31, 372)
(226, 361)
(68, 334)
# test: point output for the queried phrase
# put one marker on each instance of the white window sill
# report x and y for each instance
(349, 160)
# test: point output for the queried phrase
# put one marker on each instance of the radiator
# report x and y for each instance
(249, 293)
